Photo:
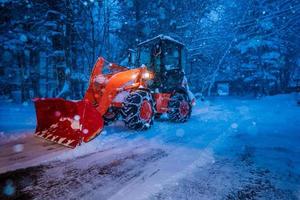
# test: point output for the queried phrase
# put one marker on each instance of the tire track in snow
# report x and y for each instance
(104, 171)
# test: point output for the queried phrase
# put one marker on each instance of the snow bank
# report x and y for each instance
(16, 120)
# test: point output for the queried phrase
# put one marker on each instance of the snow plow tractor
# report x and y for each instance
(153, 83)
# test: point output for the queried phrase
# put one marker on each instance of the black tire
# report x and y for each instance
(110, 116)
(175, 113)
(157, 115)
(131, 110)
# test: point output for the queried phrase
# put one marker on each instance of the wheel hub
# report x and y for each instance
(184, 108)
(146, 111)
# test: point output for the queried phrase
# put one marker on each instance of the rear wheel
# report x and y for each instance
(138, 110)
(179, 109)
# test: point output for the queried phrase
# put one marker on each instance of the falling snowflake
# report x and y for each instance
(23, 38)
(103, 132)
(85, 131)
(18, 148)
(77, 117)
(57, 113)
(234, 125)
(9, 188)
(213, 16)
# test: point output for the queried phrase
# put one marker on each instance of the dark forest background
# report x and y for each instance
(48, 47)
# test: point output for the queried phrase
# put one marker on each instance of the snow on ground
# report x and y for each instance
(16, 120)
(231, 148)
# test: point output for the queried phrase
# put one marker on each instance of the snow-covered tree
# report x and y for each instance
(262, 51)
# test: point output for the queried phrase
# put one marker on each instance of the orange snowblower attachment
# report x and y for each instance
(71, 122)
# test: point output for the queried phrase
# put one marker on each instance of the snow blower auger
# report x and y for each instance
(136, 94)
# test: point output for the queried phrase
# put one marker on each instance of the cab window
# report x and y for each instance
(171, 58)
(145, 56)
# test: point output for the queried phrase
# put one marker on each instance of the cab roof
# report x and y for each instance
(163, 38)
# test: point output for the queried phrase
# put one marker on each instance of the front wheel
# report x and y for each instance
(179, 109)
(138, 110)
(110, 116)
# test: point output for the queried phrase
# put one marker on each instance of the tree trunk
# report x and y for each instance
(22, 65)
(138, 21)
(34, 72)
(58, 47)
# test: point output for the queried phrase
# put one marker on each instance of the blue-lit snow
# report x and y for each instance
(16, 119)
(234, 138)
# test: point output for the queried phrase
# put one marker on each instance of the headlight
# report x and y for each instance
(134, 76)
(146, 75)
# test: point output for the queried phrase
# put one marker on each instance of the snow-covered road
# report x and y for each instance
(231, 148)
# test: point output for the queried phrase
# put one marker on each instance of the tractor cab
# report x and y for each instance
(165, 58)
